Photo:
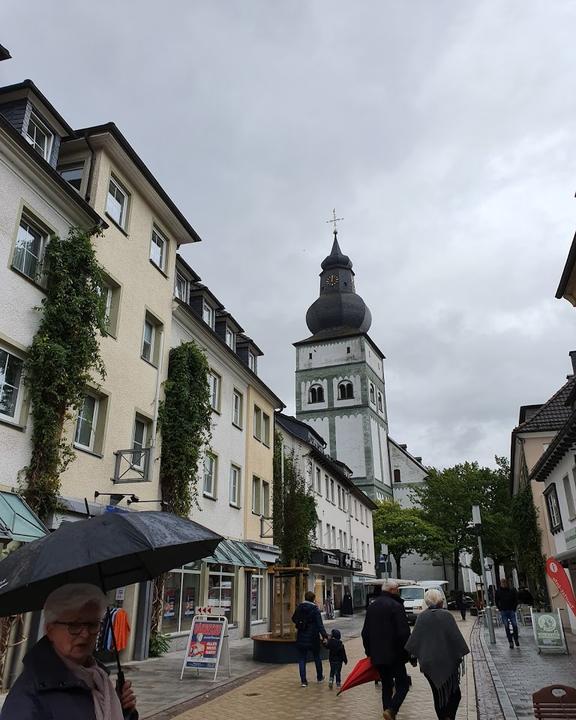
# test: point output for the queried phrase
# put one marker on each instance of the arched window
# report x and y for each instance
(396, 475)
(380, 404)
(372, 395)
(316, 394)
(345, 390)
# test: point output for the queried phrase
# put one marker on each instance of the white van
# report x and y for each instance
(413, 596)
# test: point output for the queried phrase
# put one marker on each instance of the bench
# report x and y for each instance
(555, 702)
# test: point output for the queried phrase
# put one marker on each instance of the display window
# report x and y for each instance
(181, 598)
(221, 590)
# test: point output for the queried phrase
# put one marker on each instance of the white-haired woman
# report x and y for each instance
(61, 678)
(438, 645)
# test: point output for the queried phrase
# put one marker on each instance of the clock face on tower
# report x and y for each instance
(332, 280)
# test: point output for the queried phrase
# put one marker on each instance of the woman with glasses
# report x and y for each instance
(61, 678)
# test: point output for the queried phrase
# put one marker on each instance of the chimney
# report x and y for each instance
(572, 354)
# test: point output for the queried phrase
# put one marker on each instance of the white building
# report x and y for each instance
(343, 558)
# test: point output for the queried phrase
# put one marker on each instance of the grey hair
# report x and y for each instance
(73, 596)
(434, 597)
(390, 586)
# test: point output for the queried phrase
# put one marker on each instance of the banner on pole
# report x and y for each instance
(207, 640)
(558, 575)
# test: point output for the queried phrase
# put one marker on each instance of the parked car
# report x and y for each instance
(468, 602)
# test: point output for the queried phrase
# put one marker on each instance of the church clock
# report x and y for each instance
(332, 280)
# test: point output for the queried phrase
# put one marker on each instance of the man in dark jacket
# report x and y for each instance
(309, 628)
(385, 633)
(507, 602)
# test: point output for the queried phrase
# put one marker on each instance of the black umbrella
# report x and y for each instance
(110, 550)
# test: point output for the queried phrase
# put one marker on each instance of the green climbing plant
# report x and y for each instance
(63, 359)
(527, 540)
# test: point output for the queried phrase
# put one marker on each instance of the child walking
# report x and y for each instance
(337, 656)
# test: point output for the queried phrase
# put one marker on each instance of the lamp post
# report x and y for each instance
(477, 523)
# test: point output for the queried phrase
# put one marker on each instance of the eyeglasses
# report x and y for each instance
(75, 628)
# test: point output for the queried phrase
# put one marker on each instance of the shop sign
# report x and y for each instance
(548, 631)
(207, 642)
(331, 560)
(356, 564)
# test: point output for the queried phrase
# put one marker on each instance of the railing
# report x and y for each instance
(266, 527)
(132, 465)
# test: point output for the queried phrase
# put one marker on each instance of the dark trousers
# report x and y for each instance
(448, 710)
(303, 651)
(335, 670)
(509, 618)
(462, 609)
(395, 685)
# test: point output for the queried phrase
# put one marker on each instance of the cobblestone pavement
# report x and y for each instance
(523, 671)
(277, 695)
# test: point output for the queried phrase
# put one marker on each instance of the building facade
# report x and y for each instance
(340, 389)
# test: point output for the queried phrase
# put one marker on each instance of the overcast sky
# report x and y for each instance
(443, 132)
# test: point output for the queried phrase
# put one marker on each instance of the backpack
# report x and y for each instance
(300, 620)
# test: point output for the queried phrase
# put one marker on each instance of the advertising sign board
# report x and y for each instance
(548, 631)
(207, 640)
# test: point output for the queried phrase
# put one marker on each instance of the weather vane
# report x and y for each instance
(334, 220)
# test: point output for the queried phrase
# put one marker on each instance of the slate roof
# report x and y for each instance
(554, 414)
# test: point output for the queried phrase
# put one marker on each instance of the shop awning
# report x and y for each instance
(17, 521)
(234, 552)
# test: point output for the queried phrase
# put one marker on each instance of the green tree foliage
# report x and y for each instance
(185, 419)
(446, 499)
(405, 531)
(294, 508)
(63, 359)
(527, 540)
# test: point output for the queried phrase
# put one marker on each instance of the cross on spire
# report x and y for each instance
(334, 220)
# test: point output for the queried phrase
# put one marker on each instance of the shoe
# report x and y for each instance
(516, 642)
(337, 685)
(388, 715)
(320, 679)
(330, 683)
(511, 645)
(304, 684)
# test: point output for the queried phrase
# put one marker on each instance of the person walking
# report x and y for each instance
(309, 629)
(384, 635)
(460, 604)
(337, 657)
(438, 645)
(507, 601)
(61, 678)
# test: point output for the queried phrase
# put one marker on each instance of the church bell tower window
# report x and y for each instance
(345, 391)
(316, 394)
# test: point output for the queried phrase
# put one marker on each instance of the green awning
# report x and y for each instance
(234, 552)
(17, 521)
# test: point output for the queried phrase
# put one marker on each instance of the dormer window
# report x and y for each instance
(230, 339)
(39, 136)
(345, 391)
(208, 314)
(181, 289)
(73, 175)
(316, 394)
(251, 361)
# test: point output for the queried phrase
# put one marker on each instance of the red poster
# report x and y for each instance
(559, 577)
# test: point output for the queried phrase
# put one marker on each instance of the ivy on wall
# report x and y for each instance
(528, 538)
(294, 508)
(63, 359)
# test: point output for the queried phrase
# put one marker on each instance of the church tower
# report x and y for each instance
(340, 388)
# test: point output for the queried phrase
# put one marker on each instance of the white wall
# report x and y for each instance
(350, 443)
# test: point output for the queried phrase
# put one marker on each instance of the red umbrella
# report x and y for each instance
(362, 672)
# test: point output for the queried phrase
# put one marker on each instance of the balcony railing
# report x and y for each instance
(132, 465)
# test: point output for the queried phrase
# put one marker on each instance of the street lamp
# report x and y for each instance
(477, 524)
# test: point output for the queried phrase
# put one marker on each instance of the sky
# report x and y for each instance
(442, 132)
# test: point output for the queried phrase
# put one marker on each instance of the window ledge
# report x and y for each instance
(209, 497)
(10, 423)
(149, 362)
(214, 410)
(235, 506)
(238, 427)
(163, 272)
(257, 514)
(116, 224)
(88, 451)
(130, 481)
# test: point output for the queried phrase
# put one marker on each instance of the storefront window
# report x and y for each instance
(337, 593)
(190, 599)
(171, 608)
(181, 598)
(256, 599)
(221, 590)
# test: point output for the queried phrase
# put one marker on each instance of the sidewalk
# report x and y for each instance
(518, 673)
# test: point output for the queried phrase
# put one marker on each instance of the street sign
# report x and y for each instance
(548, 631)
(207, 640)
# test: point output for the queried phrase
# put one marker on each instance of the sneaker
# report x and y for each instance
(304, 684)
(321, 679)
(511, 645)
(337, 685)
(331, 683)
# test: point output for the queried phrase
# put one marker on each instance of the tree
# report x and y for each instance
(405, 531)
(498, 535)
(527, 537)
(294, 514)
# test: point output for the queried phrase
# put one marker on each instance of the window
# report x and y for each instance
(261, 426)
(111, 293)
(340, 540)
(356, 509)
(256, 499)
(210, 462)
(345, 391)
(181, 599)
(339, 498)
(86, 423)
(380, 402)
(39, 136)
(266, 429)
(363, 551)
(332, 491)
(140, 442)
(319, 532)
(333, 537)
(569, 496)
(10, 381)
(397, 476)
(158, 249)
(208, 314)
(235, 476)
(117, 203)
(230, 339)
(151, 339)
(554, 517)
(266, 499)
(256, 598)
(181, 288)
(372, 396)
(327, 486)
(345, 548)
(252, 361)
(214, 381)
(318, 481)
(316, 394)
(73, 175)
(29, 251)
(237, 409)
(221, 590)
